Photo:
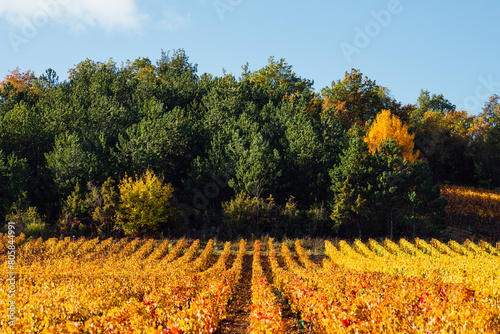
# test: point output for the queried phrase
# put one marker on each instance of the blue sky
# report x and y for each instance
(448, 47)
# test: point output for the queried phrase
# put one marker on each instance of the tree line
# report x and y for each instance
(151, 148)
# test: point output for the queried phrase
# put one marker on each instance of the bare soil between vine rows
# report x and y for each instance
(238, 310)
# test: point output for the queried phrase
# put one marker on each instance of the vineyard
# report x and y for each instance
(474, 209)
(185, 286)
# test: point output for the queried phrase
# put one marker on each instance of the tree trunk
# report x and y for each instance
(413, 227)
(392, 225)
(389, 223)
(359, 227)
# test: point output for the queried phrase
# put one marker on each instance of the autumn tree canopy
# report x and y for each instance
(144, 204)
(347, 155)
(19, 80)
(388, 126)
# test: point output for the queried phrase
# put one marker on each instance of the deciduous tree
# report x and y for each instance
(145, 205)
(387, 126)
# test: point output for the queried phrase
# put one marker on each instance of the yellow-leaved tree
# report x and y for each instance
(144, 204)
(388, 126)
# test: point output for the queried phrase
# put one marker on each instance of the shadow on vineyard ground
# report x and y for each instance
(238, 312)
(289, 317)
(238, 316)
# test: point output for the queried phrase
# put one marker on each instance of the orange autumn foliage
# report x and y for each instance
(388, 126)
(19, 80)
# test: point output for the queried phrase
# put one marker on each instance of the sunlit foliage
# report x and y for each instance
(144, 204)
(388, 126)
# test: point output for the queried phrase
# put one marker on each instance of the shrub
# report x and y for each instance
(318, 220)
(105, 205)
(245, 215)
(144, 206)
(28, 221)
(75, 219)
(240, 215)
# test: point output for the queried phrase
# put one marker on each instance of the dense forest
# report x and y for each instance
(156, 149)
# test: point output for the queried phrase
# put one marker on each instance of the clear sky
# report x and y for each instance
(445, 46)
